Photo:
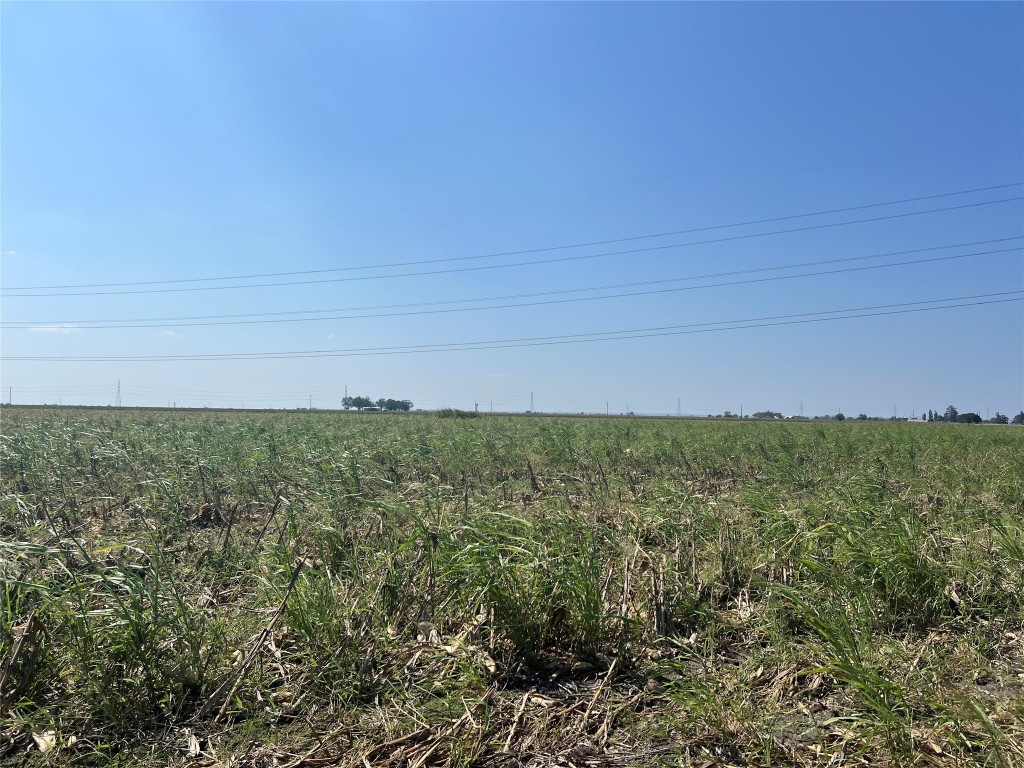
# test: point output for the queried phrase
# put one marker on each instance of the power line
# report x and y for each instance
(544, 302)
(158, 322)
(536, 341)
(632, 238)
(183, 230)
(142, 389)
(72, 389)
(522, 263)
(142, 392)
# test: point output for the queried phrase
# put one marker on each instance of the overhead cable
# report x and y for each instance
(526, 263)
(541, 302)
(156, 322)
(536, 341)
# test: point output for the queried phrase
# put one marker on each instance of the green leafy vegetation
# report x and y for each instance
(343, 589)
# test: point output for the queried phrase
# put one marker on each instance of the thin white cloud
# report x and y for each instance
(171, 335)
(11, 253)
(56, 328)
(329, 336)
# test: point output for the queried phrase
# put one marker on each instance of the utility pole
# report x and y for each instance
(679, 407)
(10, 395)
(741, 411)
(531, 402)
(492, 406)
(311, 402)
(117, 403)
(476, 407)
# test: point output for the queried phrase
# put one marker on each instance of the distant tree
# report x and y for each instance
(951, 413)
(862, 417)
(385, 404)
(839, 417)
(1000, 418)
(1019, 418)
(767, 415)
(969, 418)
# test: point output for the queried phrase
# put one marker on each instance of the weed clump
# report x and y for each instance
(455, 413)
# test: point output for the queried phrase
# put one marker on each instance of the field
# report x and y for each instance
(303, 589)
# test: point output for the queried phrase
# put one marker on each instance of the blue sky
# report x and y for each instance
(172, 141)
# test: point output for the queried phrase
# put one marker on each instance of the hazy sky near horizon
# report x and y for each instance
(153, 142)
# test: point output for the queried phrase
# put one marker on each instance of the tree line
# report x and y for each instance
(952, 415)
(362, 402)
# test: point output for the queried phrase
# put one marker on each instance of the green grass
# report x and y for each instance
(320, 589)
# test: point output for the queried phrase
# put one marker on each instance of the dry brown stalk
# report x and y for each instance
(516, 720)
(239, 673)
(27, 646)
(597, 693)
